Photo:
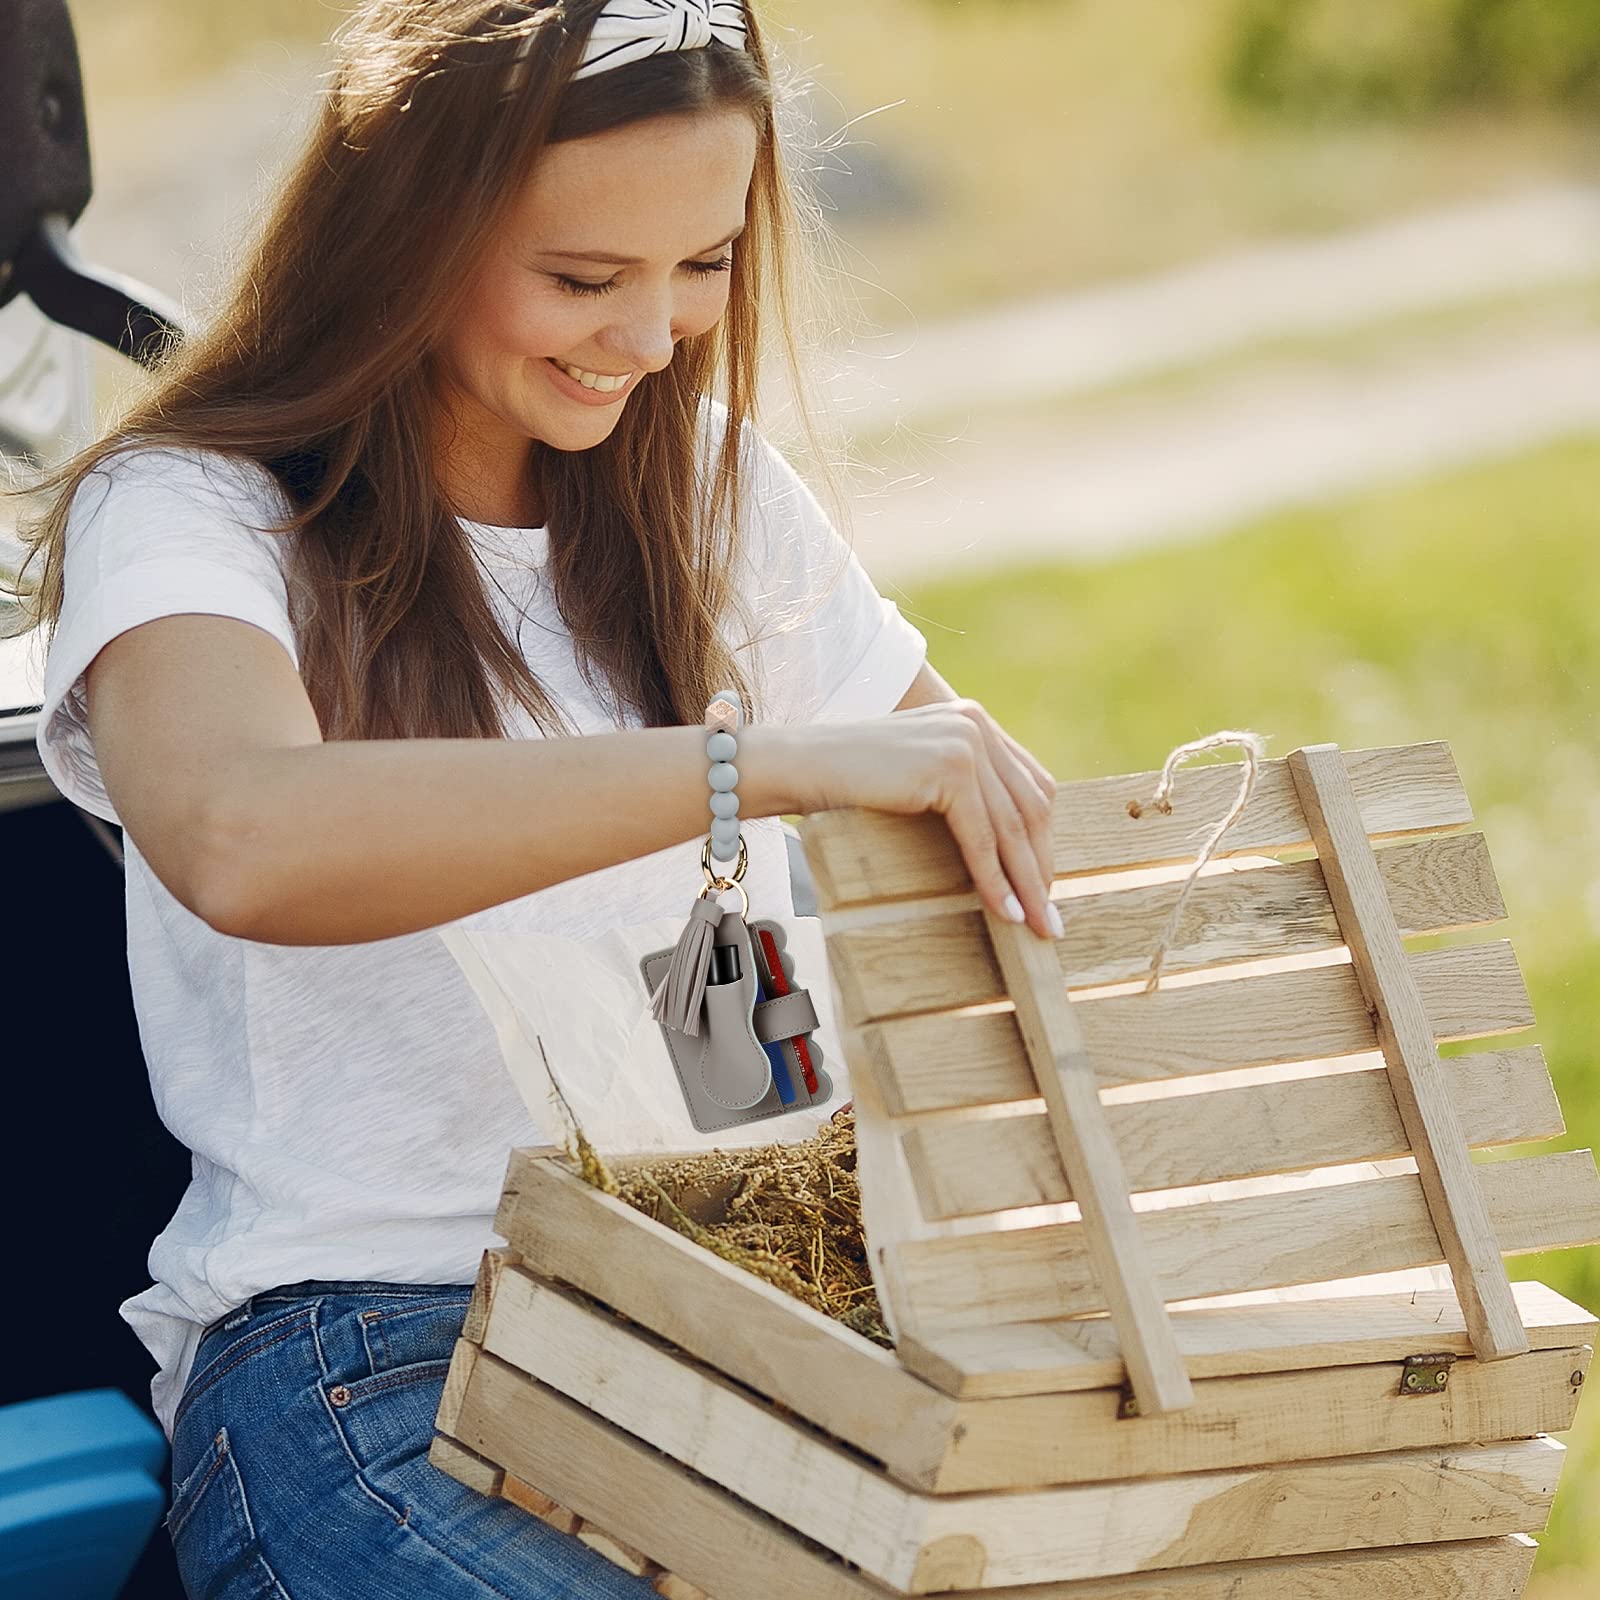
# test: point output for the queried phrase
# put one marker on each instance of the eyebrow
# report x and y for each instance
(628, 261)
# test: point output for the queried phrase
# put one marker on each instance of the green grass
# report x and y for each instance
(1465, 608)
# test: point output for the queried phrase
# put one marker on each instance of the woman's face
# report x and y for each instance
(616, 248)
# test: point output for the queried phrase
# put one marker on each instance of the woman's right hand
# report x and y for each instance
(950, 756)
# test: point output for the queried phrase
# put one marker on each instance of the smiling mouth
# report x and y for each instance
(603, 382)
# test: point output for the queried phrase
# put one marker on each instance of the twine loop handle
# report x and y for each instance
(1254, 747)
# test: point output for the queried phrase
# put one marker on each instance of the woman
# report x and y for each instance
(396, 603)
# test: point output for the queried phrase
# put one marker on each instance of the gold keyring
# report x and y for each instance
(717, 885)
(738, 871)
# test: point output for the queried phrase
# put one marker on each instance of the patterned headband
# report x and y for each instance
(628, 30)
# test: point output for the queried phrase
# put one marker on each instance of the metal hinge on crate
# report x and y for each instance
(1423, 1375)
(1419, 1376)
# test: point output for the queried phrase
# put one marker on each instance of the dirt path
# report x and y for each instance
(1070, 344)
(1181, 468)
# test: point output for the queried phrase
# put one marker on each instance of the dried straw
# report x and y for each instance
(788, 1212)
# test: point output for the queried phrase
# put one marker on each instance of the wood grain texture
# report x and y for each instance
(686, 1522)
(464, 1466)
(858, 855)
(1024, 1358)
(939, 1063)
(1028, 1536)
(933, 955)
(494, 1260)
(890, 1212)
(672, 1587)
(640, 1383)
(618, 1552)
(1086, 1154)
(881, 1400)
(1264, 1241)
(462, 1359)
(971, 1167)
(539, 1504)
(565, 1229)
(488, 1479)
(1037, 1440)
(1405, 1034)
(1476, 1569)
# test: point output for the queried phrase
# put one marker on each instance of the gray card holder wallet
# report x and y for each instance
(725, 1072)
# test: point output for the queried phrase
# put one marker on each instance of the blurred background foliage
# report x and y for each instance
(1353, 59)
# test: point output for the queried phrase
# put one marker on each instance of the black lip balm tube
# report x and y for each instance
(724, 964)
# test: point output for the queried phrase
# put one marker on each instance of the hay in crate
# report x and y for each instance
(789, 1212)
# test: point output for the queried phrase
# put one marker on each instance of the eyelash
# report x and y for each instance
(699, 268)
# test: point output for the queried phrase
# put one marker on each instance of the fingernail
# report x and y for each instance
(1013, 908)
(1053, 917)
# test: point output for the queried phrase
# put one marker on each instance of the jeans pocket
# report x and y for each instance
(212, 1532)
(217, 1357)
(405, 1333)
(386, 1423)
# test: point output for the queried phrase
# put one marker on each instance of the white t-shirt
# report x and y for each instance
(347, 1106)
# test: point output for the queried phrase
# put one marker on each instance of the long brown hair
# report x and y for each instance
(317, 368)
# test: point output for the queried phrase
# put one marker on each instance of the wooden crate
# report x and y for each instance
(1151, 1259)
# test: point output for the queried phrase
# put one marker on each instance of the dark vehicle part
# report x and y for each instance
(45, 184)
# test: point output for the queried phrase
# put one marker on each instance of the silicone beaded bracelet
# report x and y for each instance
(724, 718)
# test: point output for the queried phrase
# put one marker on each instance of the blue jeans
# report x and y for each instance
(300, 1463)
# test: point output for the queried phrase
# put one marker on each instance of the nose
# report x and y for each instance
(645, 339)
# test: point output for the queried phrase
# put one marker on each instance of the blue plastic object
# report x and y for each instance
(81, 1491)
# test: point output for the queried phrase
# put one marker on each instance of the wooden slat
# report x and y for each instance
(945, 1062)
(564, 1228)
(937, 955)
(671, 1587)
(494, 1261)
(633, 1379)
(1027, 1358)
(1080, 1137)
(487, 1479)
(889, 1210)
(1476, 1569)
(971, 1167)
(780, 1347)
(1266, 1241)
(464, 1466)
(1241, 1422)
(1076, 1437)
(1455, 1201)
(858, 855)
(925, 1544)
(712, 1538)
(539, 1504)
(463, 1357)
(617, 1552)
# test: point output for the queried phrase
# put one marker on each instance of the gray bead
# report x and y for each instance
(725, 805)
(721, 745)
(724, 775)
(725, 833)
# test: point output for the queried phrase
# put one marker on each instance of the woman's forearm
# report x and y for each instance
(368, 839)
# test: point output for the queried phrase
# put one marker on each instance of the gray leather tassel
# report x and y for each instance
(678, 997)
